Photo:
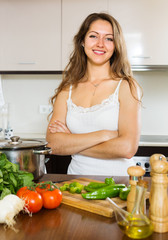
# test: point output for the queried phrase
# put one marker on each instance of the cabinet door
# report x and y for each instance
(73, 14)
(144, 24)
(30, 35)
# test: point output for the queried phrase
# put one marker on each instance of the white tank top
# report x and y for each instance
(102, 116)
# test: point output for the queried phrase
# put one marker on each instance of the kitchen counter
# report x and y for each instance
(67, 222)
(145, 140)
(154, 140)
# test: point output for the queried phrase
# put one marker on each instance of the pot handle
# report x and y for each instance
(43, 151)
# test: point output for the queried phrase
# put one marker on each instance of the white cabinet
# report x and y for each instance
(30, 38)
(37, 35)
(144, 24)
(73, 14)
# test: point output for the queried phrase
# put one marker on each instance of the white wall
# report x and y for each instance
(26, 92)
(155, 102)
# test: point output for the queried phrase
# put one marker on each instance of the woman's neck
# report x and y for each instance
(95, 72)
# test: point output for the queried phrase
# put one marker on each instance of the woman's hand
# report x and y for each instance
(58, 126)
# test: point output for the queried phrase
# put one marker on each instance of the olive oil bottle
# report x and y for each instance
(136, 228)
(135, 225)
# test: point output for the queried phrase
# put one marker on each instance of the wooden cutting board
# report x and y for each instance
(101, 207)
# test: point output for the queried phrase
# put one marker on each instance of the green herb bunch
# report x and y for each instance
(11, 178)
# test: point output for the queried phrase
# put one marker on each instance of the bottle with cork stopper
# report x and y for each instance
(135, 174)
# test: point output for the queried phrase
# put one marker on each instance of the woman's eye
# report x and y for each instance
(109, 39)
(92, 36)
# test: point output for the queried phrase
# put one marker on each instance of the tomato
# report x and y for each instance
(52, 198)
(21, 191)
(33, 201)
(43, 187)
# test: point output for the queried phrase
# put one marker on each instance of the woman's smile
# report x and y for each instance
(98, 44)
(99, 52)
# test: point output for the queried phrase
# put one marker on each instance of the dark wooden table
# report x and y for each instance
(68, 223)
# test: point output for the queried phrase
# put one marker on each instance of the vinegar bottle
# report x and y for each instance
(135, 174)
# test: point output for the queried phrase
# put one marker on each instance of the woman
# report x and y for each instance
(96, 113)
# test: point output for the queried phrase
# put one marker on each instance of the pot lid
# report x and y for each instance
(16, 142)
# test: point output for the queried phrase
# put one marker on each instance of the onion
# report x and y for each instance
(10, 206)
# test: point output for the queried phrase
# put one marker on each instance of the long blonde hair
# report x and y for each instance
(76, 68)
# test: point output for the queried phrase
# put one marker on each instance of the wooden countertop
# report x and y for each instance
(68, 223)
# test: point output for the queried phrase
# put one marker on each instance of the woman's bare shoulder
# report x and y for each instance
(64, 93)
(127, 89)
(124, 87)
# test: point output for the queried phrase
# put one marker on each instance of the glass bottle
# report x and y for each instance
(138, 225)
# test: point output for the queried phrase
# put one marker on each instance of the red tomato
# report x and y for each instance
(21, 191)
(52, 198)
(43, 187)
(33, 201)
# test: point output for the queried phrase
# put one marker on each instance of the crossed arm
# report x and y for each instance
(103, 144)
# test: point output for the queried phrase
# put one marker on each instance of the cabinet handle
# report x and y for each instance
(144, 57)
(30, 63)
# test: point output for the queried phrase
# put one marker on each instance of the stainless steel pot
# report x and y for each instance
(29, 154)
